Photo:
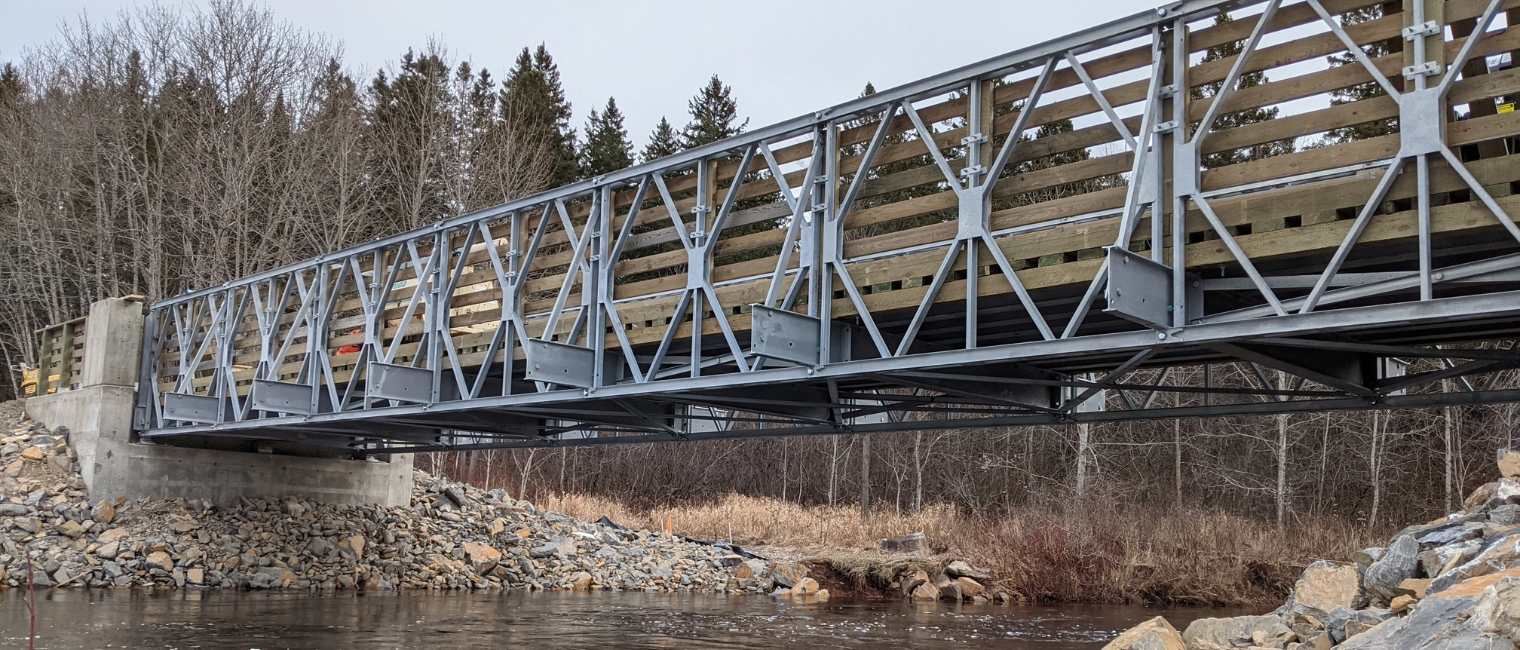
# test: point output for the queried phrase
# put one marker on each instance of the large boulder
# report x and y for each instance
(960, 569)
(788, 574)
(925, 592)
(113, 535)
(1481, 495)
(1451, 534)
(914, 543)
(1327, 585)
(1498, 608)
(1155, 634)
(1500, 553)
(161, 560)
(1237, 632)
(1345, 623)
(482, 558)
(1367, 556)
(1442, 621)
(1381, 581)
(912, 581)
(1507, 491)
(103, 512)
(948, 589)
(1436, 561)
(1505, 515)
(1509, 463)
(751, 569)
(970, 589)
(804, 587)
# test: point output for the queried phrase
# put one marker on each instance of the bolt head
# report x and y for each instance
(1161, 336)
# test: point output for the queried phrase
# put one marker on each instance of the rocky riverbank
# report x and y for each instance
(452, 536)
(1453, 583)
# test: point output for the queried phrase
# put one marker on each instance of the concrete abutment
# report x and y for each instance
(98, 416)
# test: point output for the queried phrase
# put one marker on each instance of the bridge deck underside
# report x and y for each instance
(978, 281)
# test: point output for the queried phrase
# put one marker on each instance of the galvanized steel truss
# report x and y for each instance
(407, 376)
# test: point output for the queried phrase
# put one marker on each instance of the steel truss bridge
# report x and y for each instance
(1093, 216)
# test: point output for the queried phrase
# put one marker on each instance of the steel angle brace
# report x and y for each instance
(1392, 350)
(1393, 384)
(1097, 386)
(1325, 374)
(1403, 282)
(560, 363)
(1034, 398)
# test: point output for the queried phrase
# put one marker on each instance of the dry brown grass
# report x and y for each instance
(1053, 551)
(756, 521)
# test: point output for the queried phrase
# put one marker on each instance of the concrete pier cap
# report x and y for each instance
(98, 416)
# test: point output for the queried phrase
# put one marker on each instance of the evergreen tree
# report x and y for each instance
(1240, 118)
(663, 141)
(533, 98)
(607, 147)
(713, 115)
(895, 167)
(406, 118)
(1369, 90)
(12, 87)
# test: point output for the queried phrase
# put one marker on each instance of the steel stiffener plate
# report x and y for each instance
(191, 408)
(784, 335)
(559, 363)
(401, 383)
(281, 397)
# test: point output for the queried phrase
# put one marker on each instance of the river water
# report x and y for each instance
(267, 621)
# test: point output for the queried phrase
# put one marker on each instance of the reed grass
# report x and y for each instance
(1051, 550)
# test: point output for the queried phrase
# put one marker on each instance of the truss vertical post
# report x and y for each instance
(979, 114)
(1174, 168)
(434, 297)
(599, 278)
(145, 414)
(828, 242)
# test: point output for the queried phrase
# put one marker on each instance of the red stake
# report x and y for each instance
(31, 605)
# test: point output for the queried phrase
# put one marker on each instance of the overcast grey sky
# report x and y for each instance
(783, 57)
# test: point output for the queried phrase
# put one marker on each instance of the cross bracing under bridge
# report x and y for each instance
(1092, 224)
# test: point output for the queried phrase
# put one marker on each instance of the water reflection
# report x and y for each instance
(119, 619)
